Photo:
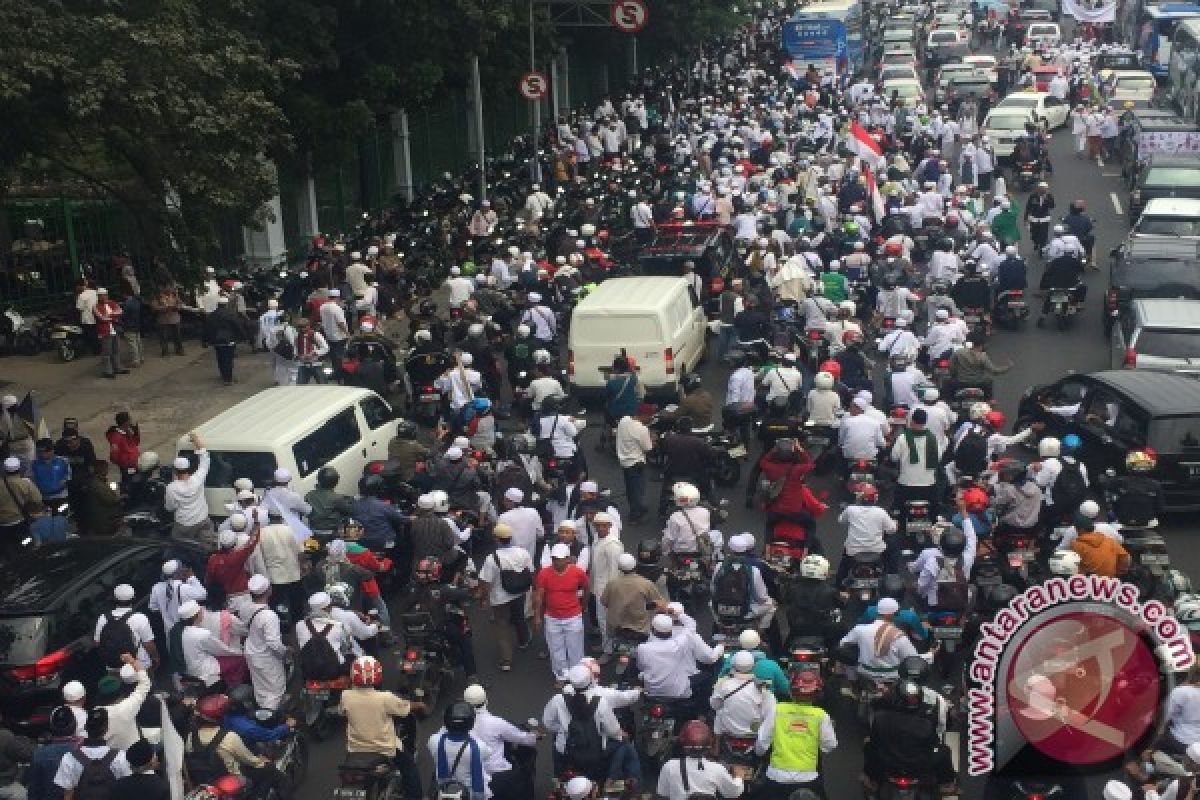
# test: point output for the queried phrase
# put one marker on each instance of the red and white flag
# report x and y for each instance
(863, 145)
(877, 204)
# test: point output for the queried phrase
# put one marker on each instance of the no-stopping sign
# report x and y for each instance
(630, 16)
(533, 86)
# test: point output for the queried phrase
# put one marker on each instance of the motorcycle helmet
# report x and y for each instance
(914, 668)
(805, 684)
(1071, 443)
(213, 708)
(649, 552)
(995, 420)
(1064, 563)
(372, 486)
(441, 502)
(542, 357)
(340, 594)
(892, 585)
(975, 500)
(952, 542)
(328, 477)
(979, 411)
(691, 382)
(241, 700)
(1179, 584)
(1049, 447)
(366, 671)
(999, 596)
(459, 718)
(832, 368)
(1187, 611)
(823, 380)
(694, 738)
(406, 429)
(1141, 461)
(815, 567)
(686, 495)
(428, 308)
(147, 461)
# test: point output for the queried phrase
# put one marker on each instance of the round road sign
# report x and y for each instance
(533, 86)
(630, 16)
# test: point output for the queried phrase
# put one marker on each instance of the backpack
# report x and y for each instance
(1069, 487)
(514, 581)
(116, 639)
(203, 762)
(951, 584)
(317, 658)
(97, 780)
(585, 746)
(731, 590)
(971, 454)
(544, 446)
(176, 663)
(284, 348)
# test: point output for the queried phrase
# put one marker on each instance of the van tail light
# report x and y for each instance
(669, 361)
(1110, 300)
(1130, 358)
(44, 671)
(571, 363)
(717, 286)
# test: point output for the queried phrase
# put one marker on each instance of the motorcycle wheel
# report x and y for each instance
(729, 472)
(66, 351)
(26, 344)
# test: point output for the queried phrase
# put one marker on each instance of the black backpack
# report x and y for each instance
(514, 581)
(97, 780)
(284, 348)
(116, 639)
(317, 658)
(585, 746)
(1069, 487)
(971, 454)
(203, 762)
(731, 590)
(951, 584)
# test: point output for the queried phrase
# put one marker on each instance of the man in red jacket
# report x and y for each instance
(227, 567)
(124, 439)
(793, 508)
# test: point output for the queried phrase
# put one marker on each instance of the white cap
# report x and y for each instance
(467, 359)
(181, 464)
(743, 661)
(123, 593)
(102, 290)
(740, 543)
(461, 441)
(674, 608)
(454, 453)
(237, 523)
(169, 568)
(189, 609)
(888, 605)
(425, 502)
(514, 494)
(8, 401)
(749, 640)
(560, 550)
(580, 676)
(534, 297)
(258, 584)
(475, 695)
(661, 623)
(603, 516)
(227, 539)
(589, 486)
(243, 483)
(901, 322)
(569, 524)
(1115, 790)
(282, 475)
(319, 601)
(930, 395)
(73, 692)
(1193, 752)
(942, 314)
(128, 674)
(12, 464)
(455, 271)
(223, 299)
(272, 304)
(626, 562)
(579, 788)
(335, 293)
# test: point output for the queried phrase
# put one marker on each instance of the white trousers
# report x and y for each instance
(564, 640)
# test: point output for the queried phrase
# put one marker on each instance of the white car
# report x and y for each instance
(1130, 84)
(1045, 107)
(899, 56)
(986, 63)
(1003, 126)
(907, 89)
(1043, 35)
(893, 72)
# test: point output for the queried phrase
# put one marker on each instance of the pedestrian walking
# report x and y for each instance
(557, 609)
(223, 330)
(502, 573)
(107, 314)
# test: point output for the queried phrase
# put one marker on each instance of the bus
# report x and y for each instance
(1183, 71)
(1156, 29)
(827, 34)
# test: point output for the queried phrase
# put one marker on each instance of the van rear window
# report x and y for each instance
(614, 329)
(1175, 434)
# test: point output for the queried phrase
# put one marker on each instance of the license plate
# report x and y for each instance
(861, 583)
(1016, 304)
(948, 631)
(821, 441)
(918, 526)
(58, 335)
(428, 398)
(1155, 559)
(1193, 470)
(738, 452)
(317, 694)
(1022, 555)
(348, 793)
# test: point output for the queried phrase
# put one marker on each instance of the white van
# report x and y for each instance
(659, 321)
(299, 428)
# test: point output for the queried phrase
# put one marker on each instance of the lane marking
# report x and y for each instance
(1116, 201)
(1111, 174)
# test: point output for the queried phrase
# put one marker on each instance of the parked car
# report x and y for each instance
(944, 45)
(1150, 267)
(907, 89)
(1159, 334)
(893, 72)
(50, 599)
(1116, 411)
(1047, 110)
(1130, 84)
(899, 56)
(1163, 175)
(1169, 217)
(1144, 131)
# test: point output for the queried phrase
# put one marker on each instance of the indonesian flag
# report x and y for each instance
(877, 206)
(864, 146)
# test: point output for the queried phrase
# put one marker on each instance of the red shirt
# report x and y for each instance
(123, 447)
(228, 567)
(561, 595)
(107, 312)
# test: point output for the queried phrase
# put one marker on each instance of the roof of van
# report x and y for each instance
(630, 293)
(273, 414)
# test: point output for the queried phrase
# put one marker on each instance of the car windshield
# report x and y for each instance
(1017, 101)
(1168, 343)
(1007, 122)
(1043, 30)
(22, 640)
(905, 89)
(1135, 82)
(1173, 176)
(1175, 434)
(229, 465)
(944, 36)
(1166, 277)
(35, 582)
(615, 329)
(1169, 226)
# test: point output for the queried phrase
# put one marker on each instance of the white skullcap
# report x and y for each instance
(467, 359)
(514, 494)
(560, 550)
(8, 401)
(128, 673)
(12, 464)
(1193, 752)
(475, 695)
(319, 601)
(749, 640)
(462, 442)
(603, 516)
(743, 661)
(888, 605)
(930, 395)
(1115, 790)
(335, 292)
(123, 593)
(73, 692)
(534, 297)
(169, 568)
(282, 475)
(942, 314)
(223, 299)
(626, 562)
(674, 607)
(589, 486)
(739, 543)
(580, 676)
(227, 539)
(860, 404)
(189, 609)
(454, 453)
(579, 788)
(569, 524)
(238, 522)
(102, 290)
(272, 304)
(425, 502)
(455, 271)
(901, 322)
(258, 584)
(661, 623)
(181, 464)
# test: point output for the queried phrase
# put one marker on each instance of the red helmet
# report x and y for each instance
(366, 671)
(805, 684)
(695, 737)
(833, 367)
(849, 337)
(892, 249)
(213, 707)
(867, 492)
(995, 419)
(976, 500)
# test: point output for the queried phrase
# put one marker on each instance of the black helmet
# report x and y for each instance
(892, 585)
(406, 429)
(328, 477)
(552, 404)
(914, 668)
(649, 551)
(241, 699)
(428, 308)
(999, 596)
(372, 486)
(952, 542)
(946, 244)
(459, 718)
(683, 424)
(691, 382)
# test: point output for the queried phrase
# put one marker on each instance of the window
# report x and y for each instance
(326, 443)
(1175, 434)
(375, 412)
(1168, 343)
(692, 296)
(226, 466)
(1104, 409)
(1068, 393)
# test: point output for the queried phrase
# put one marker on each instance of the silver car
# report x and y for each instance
(1160, 334)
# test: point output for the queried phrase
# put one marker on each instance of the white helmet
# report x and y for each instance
(523, 330)
(1089, 509)
(814, 566)
(541, 357)
(847, 305)
(441, 501)
(979, 410)
(686, 495)
(1064, 562)
(1060, 229)
(1049, 447)
(823, 380)
(588, 229)
(147, 461)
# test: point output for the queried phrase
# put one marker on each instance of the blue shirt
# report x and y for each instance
(907, 618)
(49, 528)
(252, 732)
(381, 522)
(50, 477)
(42, 768)
(765, 669)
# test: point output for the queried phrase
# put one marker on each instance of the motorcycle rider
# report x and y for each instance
(381, 522)
(582, 697)
(972, 368)
(696, 403)
(972, 290)
(463, 774)
(329, 507)
(1065, 243)
(1136, 498)
(824, 404)
(667, 663)
(868, 529)
(687, 457)
(1038, 211)
(509, 781)
(838, 331)
(900, 340)
(814, 604)
(1017, 500)
(881, 644)
(944, 336)
(692, 775)
(687, 529)
(144, 489)
(739, 705)
(902, 380)
(1082, 228)
(796, 735)
(856, 367)
(405, 452)
(786, 464)
(904, 741)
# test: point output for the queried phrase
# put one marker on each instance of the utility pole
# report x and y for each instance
(477, 91)
(535, 162)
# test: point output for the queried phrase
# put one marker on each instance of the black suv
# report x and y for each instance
(1163, 175)
(708, 245)
(50, 599)
(1149, 268)
(1122, 410)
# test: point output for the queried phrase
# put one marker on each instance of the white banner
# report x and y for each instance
(1093, 11)
(172, 744)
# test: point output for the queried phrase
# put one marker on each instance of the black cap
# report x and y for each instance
(140, 754)
(920, 417)
(62, 722)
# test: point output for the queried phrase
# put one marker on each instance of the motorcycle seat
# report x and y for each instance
(365, 762)
(417, 624)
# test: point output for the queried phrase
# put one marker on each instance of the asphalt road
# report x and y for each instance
(1038, 356)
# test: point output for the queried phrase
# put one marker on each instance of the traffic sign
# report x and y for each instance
(533, 86)
(630, 16)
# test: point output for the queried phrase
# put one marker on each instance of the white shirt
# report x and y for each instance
(541, 388)
(284, 497)
(451, 383)
(866, 527)
(336, 635)
(167, 596)
(200, 649)
(879, 664)
(70, 770)
(279, 553)
(556, 718)
(642, 216)
(901, 341)
(633, 442)
(359, 631)
(666, 666)
(904, 386)
(922, 473)
(333, 322)
(781, 382)
(605, 554)
(462, 772)
(740, 708)
(542, 321)
(460, 290)
(494, 732)
(139, 626)
(122, 716)
(944, 338)
(513, 557)
(860, 436)
(1183, 714)
(186, 497)
(527, 528)
(741, 387)
(85, 304)
(683, 526)
(263, 635)
(704, 777)
(561, 431)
